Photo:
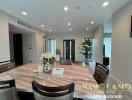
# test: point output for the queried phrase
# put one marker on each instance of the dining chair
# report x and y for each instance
(101, 76)
(8, 90)
(65, 62)
(53, 93)
(101, 73)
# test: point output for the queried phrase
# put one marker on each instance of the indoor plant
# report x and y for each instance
(86, 48)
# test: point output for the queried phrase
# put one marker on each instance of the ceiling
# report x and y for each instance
(51, 13)
(19, 29)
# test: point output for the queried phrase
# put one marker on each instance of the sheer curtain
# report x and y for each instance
(107, 43)
(52, 47)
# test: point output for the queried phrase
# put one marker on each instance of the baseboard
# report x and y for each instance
(6, 61)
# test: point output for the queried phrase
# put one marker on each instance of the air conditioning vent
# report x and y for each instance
(24, 24)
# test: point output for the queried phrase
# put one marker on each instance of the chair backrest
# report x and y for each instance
(65, 62)
(8, 90)
(101, 73)
(53, 93)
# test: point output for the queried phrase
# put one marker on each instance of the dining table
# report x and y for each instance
(85, 84)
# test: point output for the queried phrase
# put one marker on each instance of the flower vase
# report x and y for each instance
(47, 67)
(87, 61)
(40, 69)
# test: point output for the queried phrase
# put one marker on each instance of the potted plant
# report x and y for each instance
(86, 49)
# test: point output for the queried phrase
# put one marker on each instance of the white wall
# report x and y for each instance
(29, 48)
(98, 44)
(4, 36)
(33, 40)
(32, 44)
(40, 45)
(122, 44)
(78, 39)
(11, 46)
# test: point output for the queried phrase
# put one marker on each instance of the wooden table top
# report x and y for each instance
(82, 77)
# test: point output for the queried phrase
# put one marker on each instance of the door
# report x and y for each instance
(69, 49)
(18, 53)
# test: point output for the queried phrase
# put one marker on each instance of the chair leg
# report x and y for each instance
(25, 95)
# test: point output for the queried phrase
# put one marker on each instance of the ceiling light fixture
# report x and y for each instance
(92, 22)
(24, 13)
(87, 28)
(70, 29)
(50, 30)
(66, 8)
(42, 25)
(69, 24)
(106, 3)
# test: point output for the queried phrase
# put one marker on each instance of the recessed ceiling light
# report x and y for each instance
(69, 24)
(92, 22)
(42, 25)
(50, 30)
(70, 29)
(106, 3)
(24, 13)
(65, 8)
(87, 28)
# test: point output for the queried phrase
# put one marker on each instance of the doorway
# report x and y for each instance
(69, 49)
(18, 52)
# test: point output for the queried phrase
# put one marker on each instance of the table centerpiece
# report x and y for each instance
(48, 61)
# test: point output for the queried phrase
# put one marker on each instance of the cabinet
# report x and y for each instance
(6, 67)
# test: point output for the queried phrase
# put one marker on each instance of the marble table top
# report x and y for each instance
(85, 84)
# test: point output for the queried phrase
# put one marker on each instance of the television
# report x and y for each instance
(131, 27)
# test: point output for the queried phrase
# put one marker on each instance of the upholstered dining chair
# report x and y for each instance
(53, 93)
(8, 90)
(101, 73)
(65, 62)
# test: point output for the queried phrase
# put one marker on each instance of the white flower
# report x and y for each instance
(47, 55)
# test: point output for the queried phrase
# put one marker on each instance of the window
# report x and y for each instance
(107, 43)
(52, 47)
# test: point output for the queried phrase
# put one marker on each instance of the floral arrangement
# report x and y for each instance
(46, 55)
(48, 61)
